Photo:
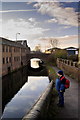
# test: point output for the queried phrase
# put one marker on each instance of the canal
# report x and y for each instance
(21, 89)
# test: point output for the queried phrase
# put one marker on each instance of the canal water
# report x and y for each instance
(35, 63)
(22, 93)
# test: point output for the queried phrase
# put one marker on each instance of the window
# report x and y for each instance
(3, 48)
(10, 59)
(14, 49)
(6, 59)
(14, 58)
(9, 49)
(19, 58)
(3, 60)
(6, 48)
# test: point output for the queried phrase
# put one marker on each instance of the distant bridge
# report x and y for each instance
(43, 56)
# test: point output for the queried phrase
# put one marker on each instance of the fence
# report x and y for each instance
(69, 67)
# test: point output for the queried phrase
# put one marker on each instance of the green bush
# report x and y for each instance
(51, 60)
(72, 57)
(61, 54)
(57, 54)
(51, 73)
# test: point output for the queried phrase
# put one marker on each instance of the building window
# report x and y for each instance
(18, 58)
(9, 49)
(3, 60)
(6, 48)
(14, 49)
(3, 48)
(10, 59)
(14, 58)
(6, 59)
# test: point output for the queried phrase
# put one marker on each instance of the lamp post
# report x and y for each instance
(16, 36)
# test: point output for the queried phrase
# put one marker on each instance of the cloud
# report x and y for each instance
(66, 16)
(1, 26)
(57, 0)
(0, 20)
(66, 37)
(39, 0)
(31, 19)
(52, 20)
(63, 41)
(65, 27)
(8, 11)
(28, 29)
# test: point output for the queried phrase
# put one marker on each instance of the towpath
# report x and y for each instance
(71, 108)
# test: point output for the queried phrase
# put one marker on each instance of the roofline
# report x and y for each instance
(12, 43)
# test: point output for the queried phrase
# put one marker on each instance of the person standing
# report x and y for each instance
(60, 87)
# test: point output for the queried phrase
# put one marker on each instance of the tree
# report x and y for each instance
(57, 54)
(54, 43)
(60, 54)
(38, 48)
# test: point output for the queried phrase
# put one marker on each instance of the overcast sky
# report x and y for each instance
(38, 22)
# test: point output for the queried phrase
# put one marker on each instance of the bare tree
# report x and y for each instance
(54, 43)
(38, 47)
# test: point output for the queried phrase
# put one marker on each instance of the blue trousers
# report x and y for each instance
(61, 98)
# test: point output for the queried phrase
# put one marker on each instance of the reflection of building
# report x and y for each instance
(12, 83)
(13, 54)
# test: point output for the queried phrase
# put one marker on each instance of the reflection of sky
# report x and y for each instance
(35, 63)
(26, 97)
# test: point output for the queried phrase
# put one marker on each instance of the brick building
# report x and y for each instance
(13, 54)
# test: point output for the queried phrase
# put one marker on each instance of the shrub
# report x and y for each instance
(60, 54)
(57, 54)
(72, 57)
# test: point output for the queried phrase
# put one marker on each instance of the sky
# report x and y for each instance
(40, 22)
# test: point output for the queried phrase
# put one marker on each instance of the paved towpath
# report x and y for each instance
(71, 109)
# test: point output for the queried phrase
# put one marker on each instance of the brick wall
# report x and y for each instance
(69, 67)
(17, 56)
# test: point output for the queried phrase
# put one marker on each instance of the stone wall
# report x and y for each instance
(69, 67)
(40, 109)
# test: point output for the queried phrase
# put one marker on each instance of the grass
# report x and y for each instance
(53, 109)
(51, 72)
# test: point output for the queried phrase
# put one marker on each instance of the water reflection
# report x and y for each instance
(26, 97)
(35, 63)
(36, 67)
(11, 84)
(20, 91)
